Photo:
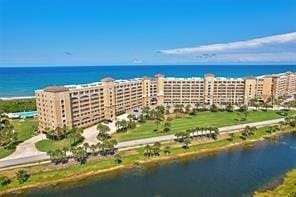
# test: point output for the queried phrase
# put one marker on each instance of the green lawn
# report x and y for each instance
(24, 129)
(202, 119)
(51, 145)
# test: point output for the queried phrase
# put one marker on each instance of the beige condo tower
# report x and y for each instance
(84, 105)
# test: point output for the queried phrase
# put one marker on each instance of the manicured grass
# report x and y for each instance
(24, 129)
(44, 173)
(51, 145)
(18, 105)
(5, 152)
(287, 188)
(202, 119)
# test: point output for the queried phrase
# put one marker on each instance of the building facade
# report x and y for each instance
(84, 105)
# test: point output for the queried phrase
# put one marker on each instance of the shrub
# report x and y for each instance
(22, 176)
(4, 180)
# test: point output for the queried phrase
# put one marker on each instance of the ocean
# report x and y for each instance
(22, 81)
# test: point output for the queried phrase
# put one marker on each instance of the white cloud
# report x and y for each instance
(137, 61)
(271, 48)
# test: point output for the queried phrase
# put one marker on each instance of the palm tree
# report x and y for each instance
(187, 108)
(197, 105)
(157, 123)
(167, 126)
(160, 109)
(186, 143)
(147, 151)
(231, 137)
(156, 148)
(167, 150)
(145, 111)
(79, 155)
(93, 149)
(117, 158)
(282, 123)
(168, 107)
(103, 131)
(86, 146)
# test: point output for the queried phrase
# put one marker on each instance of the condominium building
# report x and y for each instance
(84, 105)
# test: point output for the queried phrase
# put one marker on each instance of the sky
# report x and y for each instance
(142, 32)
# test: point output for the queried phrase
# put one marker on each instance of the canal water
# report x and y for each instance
(235, 172)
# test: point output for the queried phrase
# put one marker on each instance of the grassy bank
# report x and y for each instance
(287, 188)
(47, 174)
(18, 105)
(25, 129)
(202, 119)
(52, 145)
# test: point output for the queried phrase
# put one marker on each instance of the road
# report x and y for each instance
(35, 157)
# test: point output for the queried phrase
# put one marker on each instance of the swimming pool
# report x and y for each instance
(28, 114)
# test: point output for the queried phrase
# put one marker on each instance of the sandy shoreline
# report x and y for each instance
(16, 98)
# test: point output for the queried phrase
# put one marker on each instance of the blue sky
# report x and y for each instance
(86, 32)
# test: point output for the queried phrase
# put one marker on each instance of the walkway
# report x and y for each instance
(25, 152)
(21, 157)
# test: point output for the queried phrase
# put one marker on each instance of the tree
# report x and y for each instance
(187, 108)
(157, 123)
(58, 156)
(131, 123)
(121, 125)
(4, 180)
(229, 108)
(147, 151)
(214, 108)
(168, 107)
(22, 176)
(86, 146)
(75, 136)
(156, 148)
(197, 105)
(142, 118)
(282, 123)
(243, 108)
(103, 132)
(248, 131)
(8, 137)
(93, 149)
(79, 154)
(167, 150)
(186, 142)
(167, 127)
(214, 133)
(117, 158)
(145, 111)
(231, 137)
(108, 146)
(160, 109)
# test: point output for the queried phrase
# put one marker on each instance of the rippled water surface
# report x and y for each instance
(234, 172)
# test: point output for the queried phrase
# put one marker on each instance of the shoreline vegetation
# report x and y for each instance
(286, 188)
(17, 105)
(50, 174)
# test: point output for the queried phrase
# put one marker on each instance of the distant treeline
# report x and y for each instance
(18, 105)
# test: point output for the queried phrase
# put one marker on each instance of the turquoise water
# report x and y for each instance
(28, 114)
(23, 81)
(231, 173)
